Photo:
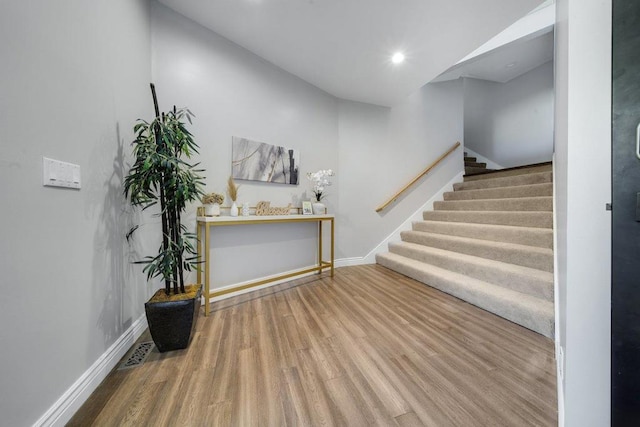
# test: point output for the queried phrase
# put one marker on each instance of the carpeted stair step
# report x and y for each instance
(530, 281)
(475, 164)
(526, 310)
(470, 159)
(534, 190)
(542, 167)
(470, 170)
(509, 181)
(522, 219)
(526, 256)
(515, 204)
(539, 237)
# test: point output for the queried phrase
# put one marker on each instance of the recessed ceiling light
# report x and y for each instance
(397, 58)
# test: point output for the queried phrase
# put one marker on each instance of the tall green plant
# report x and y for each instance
(159, 174)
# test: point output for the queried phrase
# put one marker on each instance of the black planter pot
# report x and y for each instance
(172, 323)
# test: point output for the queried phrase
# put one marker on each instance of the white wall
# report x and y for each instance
(511, 123)
(233, 92)
(583, 139)
(382, 149)
(74, 79)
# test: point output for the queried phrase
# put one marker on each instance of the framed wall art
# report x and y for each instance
(258, 161)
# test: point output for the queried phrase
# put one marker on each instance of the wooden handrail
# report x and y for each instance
(420, 175)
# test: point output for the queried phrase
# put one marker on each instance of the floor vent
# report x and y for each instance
(138, 355)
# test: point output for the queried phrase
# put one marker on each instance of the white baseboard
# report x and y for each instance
(255, 288)
(67, 405)
(348, 262)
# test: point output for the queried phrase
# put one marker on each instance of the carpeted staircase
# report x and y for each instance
(490, 243)
(472, 166)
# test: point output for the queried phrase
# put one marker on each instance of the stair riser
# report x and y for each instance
(520, 219)
(536, 190)
(531, 285)
(528, 179)
(471, 170)
(510, 172)
(525, 256)
(538, 237)
(542, 324)
(544, 204)
(475, 164)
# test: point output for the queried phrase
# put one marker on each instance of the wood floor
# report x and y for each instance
(368, 347)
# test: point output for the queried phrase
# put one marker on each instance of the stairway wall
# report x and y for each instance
(381, 149)
(511, 123)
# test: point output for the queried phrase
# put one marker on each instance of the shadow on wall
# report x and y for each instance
(115, 285)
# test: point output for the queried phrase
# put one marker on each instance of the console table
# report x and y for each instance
(204, 225)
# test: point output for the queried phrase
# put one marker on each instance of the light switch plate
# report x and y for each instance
(60, 174)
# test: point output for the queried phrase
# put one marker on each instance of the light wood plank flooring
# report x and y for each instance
(368, 347)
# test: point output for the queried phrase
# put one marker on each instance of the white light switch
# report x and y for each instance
(60, 174)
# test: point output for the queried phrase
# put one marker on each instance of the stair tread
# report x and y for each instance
(510, 191)
(514, 253)
(520, 269)
(507, 204)
(475, 164)
(471, 170)
(502, 199)
(544, 218)
(506, 181)
(492, 232)
(495, 226)
(526, 310)
(488, 243)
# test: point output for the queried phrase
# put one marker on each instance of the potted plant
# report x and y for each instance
(160, 175)
(212, 202)
(320, 180)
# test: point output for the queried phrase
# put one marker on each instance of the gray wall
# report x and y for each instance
(583, 139)
(511, 123)
(74, 78)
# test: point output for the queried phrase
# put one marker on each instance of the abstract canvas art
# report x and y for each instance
(257, 161)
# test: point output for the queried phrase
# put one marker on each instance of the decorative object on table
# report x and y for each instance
(212, 202)
(307, 209)
(232, 190)
(257, 161)
(161, 175)
(245, 209)
(264, 208)
(320, 181)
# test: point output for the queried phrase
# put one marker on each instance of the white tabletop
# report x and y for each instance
(263, 218)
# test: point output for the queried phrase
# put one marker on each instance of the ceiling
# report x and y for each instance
(506, 62)
(344, 46)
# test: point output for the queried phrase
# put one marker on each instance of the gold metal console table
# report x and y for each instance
(204, 224)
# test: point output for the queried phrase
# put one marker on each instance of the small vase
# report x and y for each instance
(234, 209)
(212, 209)
(319, 208)
(245, 209)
